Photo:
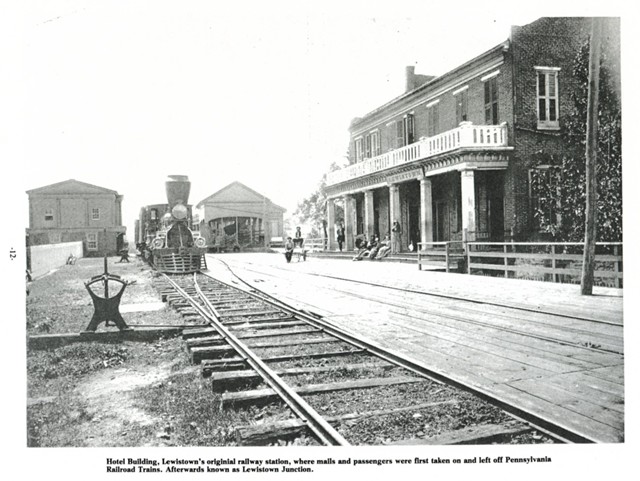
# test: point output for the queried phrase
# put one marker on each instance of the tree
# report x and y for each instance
(560, 188)
(312, 209)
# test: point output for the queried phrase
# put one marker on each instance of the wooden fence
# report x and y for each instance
(315, 244)
(445, 253)
(548, 261)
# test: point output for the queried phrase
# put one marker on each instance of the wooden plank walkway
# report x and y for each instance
(566, 370)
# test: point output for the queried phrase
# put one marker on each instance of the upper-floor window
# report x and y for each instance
(433, 118)
(547, 89)
(408, 129)
(48, 215)
(404, 131)
(95, 213)
(372, 144)
(491, 101)
(462, 105)
(359, 151)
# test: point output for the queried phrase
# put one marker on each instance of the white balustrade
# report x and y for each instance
(464, 136)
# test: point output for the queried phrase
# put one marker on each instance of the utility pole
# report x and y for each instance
(588, 263)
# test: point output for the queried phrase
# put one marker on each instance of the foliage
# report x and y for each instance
(561, 189)
(311, 211)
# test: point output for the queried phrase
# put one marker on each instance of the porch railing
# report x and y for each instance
(466, 135)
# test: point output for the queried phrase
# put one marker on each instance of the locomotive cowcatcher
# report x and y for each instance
(175, 249)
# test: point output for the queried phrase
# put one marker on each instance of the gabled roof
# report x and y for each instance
(71, 186)
(231, 192)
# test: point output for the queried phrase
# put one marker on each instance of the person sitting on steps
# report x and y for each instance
(385, 248)
(366, 249)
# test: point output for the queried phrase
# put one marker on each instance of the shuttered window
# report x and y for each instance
(408, 129)
(547, 98)
(462, 106)
(491, 101)
(359, 151)
(372, 145)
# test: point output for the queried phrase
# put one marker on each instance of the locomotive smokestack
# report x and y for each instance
(178, 187)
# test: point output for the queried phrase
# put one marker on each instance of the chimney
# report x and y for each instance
(410, 74)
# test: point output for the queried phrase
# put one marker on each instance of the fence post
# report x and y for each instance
(506, 261)
(468, 249)
(446, 256)
(554, 275)
(616, 266)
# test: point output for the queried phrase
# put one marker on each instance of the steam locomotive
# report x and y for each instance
(165, 239)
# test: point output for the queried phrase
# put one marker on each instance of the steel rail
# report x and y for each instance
(325, 432)
(562, 433)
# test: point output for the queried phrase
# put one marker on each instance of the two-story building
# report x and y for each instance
(449, 159)
(73, 211)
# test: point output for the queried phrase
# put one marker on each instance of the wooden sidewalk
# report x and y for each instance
(562, 359)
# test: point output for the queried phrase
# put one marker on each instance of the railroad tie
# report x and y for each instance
(228, 380)
(210, 366)
(262, 396)
(264, 434)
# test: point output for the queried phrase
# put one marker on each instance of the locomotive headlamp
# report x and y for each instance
(179, 212)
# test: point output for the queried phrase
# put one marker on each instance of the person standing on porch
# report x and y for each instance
(396, 237)
(340, 235)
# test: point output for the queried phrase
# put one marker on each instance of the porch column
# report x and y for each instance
(468, 194)
(368, 213)
(331, 224)
(394, 215)
(426, 211)
(349, 222)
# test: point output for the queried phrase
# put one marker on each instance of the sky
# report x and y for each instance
(123, 94)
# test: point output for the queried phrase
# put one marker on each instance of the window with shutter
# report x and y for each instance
(359, 152)
(462, 102)
(399, 134)
(547, 88)
(375, 143)
(491, 101)
(408, 129)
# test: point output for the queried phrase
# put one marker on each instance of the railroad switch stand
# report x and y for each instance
(106, 308)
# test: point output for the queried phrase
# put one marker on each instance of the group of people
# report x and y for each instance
(372, 250)
(291, 244)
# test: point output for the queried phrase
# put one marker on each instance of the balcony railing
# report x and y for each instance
(465, 136)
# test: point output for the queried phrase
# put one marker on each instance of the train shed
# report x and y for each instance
(238, 216)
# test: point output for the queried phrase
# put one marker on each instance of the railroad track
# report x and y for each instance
(327, 384)
(467, 309)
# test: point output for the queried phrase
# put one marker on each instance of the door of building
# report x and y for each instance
(442, 221)
(496, 219)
